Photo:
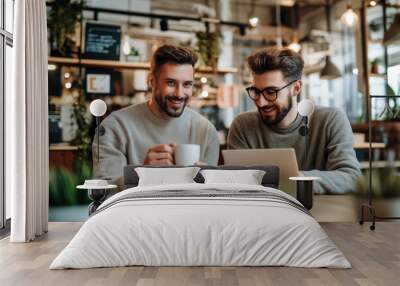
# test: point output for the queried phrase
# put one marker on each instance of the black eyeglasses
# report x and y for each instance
(269, 93)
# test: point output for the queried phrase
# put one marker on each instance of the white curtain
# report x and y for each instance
(27, 124)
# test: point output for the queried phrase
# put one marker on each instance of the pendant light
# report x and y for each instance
(295, 45)
(253, 20)
(278, 25)
(349, 17)
(392, 35)
(330, 70)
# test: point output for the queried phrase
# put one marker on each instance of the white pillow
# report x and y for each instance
(248, 177)
(163, 176)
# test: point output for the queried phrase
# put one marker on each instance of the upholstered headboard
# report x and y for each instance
(270, 179)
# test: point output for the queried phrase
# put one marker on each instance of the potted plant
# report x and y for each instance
(62, 20)
(208, 48)
(375, 66)
(385, 191)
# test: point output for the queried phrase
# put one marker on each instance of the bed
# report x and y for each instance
(201, 224)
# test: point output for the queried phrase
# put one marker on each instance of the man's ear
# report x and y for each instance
(297, 87)
(150, 80)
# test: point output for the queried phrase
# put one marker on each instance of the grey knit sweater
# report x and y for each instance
(131, 131)
(330, 154)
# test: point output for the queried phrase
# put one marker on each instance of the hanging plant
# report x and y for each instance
(208, 48)
(79, 117)
(62, 20)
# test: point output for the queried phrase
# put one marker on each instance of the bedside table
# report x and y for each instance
(97, 190)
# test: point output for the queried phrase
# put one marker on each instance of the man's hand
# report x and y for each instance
(160, 155)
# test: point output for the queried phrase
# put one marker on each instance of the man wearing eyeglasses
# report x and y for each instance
(275, 91)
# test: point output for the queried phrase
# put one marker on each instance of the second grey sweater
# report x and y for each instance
(330, 154)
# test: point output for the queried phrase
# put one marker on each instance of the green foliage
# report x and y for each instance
(385, 183)
(79, 117)
(62, 185)
(62, 19)
(376, 61)
(82, 137)
(208, 48)
(391, 102)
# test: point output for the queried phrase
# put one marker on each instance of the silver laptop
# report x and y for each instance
(284, 158)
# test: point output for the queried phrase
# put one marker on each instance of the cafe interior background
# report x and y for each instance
(101, 49)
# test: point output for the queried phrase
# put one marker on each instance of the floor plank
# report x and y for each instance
(375, 257)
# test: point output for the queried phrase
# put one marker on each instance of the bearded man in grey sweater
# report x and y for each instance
(147, 133)
(275, 91)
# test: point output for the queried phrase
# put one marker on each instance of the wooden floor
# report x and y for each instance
(374, 255)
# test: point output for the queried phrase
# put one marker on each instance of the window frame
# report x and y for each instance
(6, 39)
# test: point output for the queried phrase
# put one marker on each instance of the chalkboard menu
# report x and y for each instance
(102, 42)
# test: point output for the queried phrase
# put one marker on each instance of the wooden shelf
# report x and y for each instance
(376, 42)
(365, 145)
(62, 147)
(379, 164)
(377, 75)
(127, 65)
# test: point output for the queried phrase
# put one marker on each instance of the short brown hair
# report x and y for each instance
(172, 54)
(286, 60)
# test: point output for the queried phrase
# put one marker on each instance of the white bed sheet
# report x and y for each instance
(200, 232)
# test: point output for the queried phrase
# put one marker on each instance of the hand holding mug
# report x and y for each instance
(160, 155)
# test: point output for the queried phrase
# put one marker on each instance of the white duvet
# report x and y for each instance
(188, 231)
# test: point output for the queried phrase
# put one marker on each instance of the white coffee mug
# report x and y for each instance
(187, 154)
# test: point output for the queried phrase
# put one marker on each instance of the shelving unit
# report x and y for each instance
(128, 65)
(378, 75)
(376, 89)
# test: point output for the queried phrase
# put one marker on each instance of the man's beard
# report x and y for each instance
(162, 102)
(281, 113)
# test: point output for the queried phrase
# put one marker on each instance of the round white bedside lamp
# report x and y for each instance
(306, 107)
(98, 108)
(96, 188)
(304, 185)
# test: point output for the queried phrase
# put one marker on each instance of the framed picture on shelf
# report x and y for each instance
(102, 42)
(98, 82)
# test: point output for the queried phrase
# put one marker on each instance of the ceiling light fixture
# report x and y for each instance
(295, 46)
(253, 21)
(392, 35)
(349, 17)
(330, 70)
(372, 3)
